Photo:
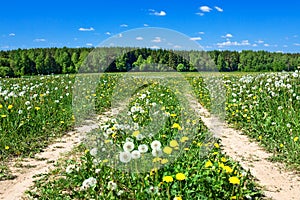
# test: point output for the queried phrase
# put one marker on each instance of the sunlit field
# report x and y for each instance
(154, 148)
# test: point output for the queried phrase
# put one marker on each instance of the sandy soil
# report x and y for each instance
(26, 169)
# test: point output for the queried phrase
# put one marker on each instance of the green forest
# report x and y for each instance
(20, 62)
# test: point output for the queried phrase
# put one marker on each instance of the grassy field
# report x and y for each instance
(34, 110)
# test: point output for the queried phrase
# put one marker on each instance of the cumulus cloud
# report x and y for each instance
(146, 25)
(139, 38)
(39, 40)
(86, 29)
(155, 47)
(260, 41)
(266, 45)
(296, 44)
(108, 33)
(89, 44)
(124, 25)
(12, 34)
(156, 13)
(202, 33)
(219, 9)
(205, 9)
(228, 35)
(156, 40)
(195, 38)
(200, 14)
(230, 43)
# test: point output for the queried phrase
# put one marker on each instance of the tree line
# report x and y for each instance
(20, 62)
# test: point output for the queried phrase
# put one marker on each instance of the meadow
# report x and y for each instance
(155, 148)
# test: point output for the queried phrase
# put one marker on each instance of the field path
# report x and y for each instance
(277, 182)
(26, 169)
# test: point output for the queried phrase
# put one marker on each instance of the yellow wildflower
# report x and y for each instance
(167, 150)
(180, 177)
(184, 139)
(234, 180)
(296, 139)
(168, 179)
(174, 143)
(10, 107)
(208, 164)
(6, 147)
(177, 126)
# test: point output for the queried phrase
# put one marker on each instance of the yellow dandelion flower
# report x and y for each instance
(105, 161)
(1, 106)
(62, 122)
(173, 115)
(135, 133)
(174, 143)
(260, 137)
(223, 159)
(217, 145)
(164, 161)
(37, 108)
(184, 139)
(281, 145)
(153, 171)
(234, 180)
(180, 177)
(3, 116)
(177, 198)
(6, 147)
(156, 159)
(208, 164)
(228, 169)
(296, 139)
(177, 126)
(86, 151)
(167, 150)
(10, 107)
(168, 179)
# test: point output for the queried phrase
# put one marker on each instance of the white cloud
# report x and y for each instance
(156, 40)
(296, 44)
(86, 29)
(260, 41)
(146, 25)
(160, 14)
(124, 25)
(219, 9)
(266, 45)
(229, 43)
(254, 45)
(108, 33)
(139, 38)
(285, 46)
(176, 46)
(200, 14)
(205, 9)
(12, 34)
(228, 35)
(195, 38)
(89, 44)
(39, 40)
(202, 33)
(155, 47)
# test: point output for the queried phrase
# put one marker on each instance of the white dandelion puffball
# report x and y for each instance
(112, 185)
(125, 157)
(128, 146)
(90, 182)
(143, 148)
(156, 152)
(135, 154)
(155, 145)
(94, 151)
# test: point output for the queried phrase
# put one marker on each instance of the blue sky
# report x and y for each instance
(214, 24)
